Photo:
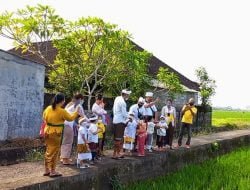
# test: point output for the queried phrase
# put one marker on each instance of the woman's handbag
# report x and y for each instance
(41, 133)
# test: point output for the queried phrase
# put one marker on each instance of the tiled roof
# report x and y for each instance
(50, 52)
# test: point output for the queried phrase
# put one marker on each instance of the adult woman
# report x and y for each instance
(54, 116)
(68, 133)
(98, 109)
(170, 114)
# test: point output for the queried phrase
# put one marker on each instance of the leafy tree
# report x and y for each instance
(95, 56)
(92, 55)
(30, 27)
(207, 85)
(169, 81)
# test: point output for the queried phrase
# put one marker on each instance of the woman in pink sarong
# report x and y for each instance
(68, 133)
(141, 137)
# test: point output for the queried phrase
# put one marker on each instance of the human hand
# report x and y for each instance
(157, 100)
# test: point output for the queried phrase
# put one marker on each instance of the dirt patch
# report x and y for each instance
(21, 143)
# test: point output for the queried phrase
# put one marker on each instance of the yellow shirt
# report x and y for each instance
(170, 118)
(187, 115)
(56, 117)
(102, 127)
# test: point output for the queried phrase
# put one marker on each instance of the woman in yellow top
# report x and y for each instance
(169, 112)
(54, 116)
(188, 113)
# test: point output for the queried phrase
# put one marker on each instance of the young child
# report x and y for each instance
(161, 132)
(101, 128)
(83, 150)
(141, 137)
(150, 133)
(129, 133)
(93, 137)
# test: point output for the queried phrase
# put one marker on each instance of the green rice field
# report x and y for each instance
(228, 172)
(227, 118)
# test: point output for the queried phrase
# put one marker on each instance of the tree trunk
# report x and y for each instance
(89, 100)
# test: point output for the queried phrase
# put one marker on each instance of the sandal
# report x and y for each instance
(46, 174)
(68, 164)
(55, 175)
(116, 158)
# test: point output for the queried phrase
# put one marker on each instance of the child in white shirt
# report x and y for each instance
(129, 133)
(83, 150)
(150, 133)
(161, 132)
(93, 137)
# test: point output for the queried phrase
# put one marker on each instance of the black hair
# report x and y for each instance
(78, 96)
(170, 100)
(57, 99)
(99, 97)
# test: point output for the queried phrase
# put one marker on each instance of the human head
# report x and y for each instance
(81, 120)
(162, 118)
(141, 101)
(149, 96)
(99, 119)
(59, 99)
(125, 94)
(169, 102)
(78, 99)
(191, 101)
(93, 118)
(99, 99)
(131, 115)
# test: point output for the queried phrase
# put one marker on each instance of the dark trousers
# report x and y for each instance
(170, 134)
(100, 147)
(160, 141)
(189, 130)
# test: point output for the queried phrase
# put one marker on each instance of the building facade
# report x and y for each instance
(21, 96)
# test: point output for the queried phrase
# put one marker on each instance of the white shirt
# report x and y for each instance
(120, 110)
(162, 131)
(148, 110)
(83, 131)
(136, 110)
(98, 110)
(151, 127)
(172, 111)
(130, 130)
(91, 136)
(71, 109)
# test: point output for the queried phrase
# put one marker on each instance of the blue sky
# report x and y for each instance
(184, 34)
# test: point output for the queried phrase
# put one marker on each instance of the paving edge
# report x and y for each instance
(135, 169)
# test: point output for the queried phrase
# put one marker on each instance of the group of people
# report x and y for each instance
(62, 124)
(133, 130)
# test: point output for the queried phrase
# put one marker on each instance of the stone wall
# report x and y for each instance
(21, 96)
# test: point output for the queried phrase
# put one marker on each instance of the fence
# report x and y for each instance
(202, 121)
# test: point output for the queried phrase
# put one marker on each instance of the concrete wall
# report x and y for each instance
(21, 96)
(179, 100)
(133, 169)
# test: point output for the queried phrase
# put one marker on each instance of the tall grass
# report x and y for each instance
(231, 118)
(227, 172)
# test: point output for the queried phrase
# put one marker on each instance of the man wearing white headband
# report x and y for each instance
(138, 109)
(119, 121)
(150, 108)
